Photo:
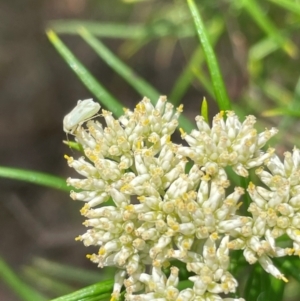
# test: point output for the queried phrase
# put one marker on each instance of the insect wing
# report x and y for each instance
(83, 111)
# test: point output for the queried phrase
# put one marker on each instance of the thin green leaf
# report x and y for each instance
(102, 297)
(292, 6)
(134, 80)
(269, 28)
(262, 49)
(85, 76)
(281, 112)
(87, 293)
(122, 31)
(202, 78)
(204, 110)
(276, 289)
(184, 80)
(74, 145)
(268, 45)
(109, 30)
(130, 47)
(34, 177)
(17, 286)
(218, 84)
(129, 75)
(45, 282)
(69, 273)
(91, 83)
(280, 95)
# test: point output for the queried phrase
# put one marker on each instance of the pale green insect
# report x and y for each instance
(84, 110)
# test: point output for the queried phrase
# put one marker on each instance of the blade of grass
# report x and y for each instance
(102, 297)
(262, 49)
(202, 78)
(92, 291)
(24, 291)
(70, 273)
(45, 282)
(121, 31)
(109, 30)
(136, 82)
(276, 289)
(281, 112)
(267, 45)
(85, 76)
(204, 110)
(129, 47)
(281, 96)
(217, 81)
(184, 80)
(262, 20)
(292, 6)
(34, 177)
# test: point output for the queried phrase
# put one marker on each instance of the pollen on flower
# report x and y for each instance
(182, 132)
(149, 202)
(66, 157)
(101, 251)
(85, 209)
(180, 108)
(214, 236)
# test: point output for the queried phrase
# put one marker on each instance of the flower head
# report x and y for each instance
(228, 143)
(147, 209)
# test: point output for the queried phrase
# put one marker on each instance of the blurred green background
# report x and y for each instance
(257, 46)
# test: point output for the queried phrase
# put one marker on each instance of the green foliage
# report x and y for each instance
(216, 78)
(261, 35)
(34, 177)
(12, 280)
(98, 291)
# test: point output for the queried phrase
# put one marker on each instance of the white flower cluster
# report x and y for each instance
(150, 203)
